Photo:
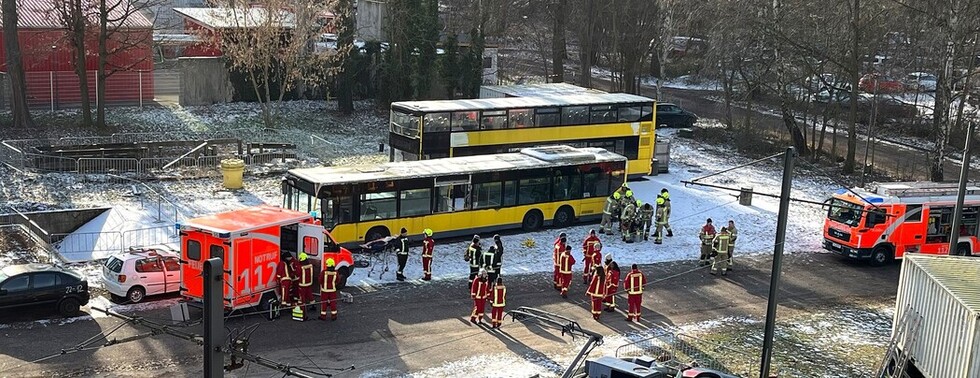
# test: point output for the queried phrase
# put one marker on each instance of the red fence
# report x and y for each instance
(60, 89)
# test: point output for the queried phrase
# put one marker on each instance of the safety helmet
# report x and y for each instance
(625, 185)
(616, 195)
(660, 201)
(483, 272)
(427, 232)
(592, 231)
(609, 257)
(303, 256)
(639, 203)
(664, 195)
(629, 193)
(330, 263)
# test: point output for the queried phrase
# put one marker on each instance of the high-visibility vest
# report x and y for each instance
(610, 207)
(404, 245)
(329, 284)
(707, 234)
(661, 215)
(479, 289)
(596, 288)
(565, 263)
(474, 254)
(499, 297)
(488, 260)
(734, 235)
(591, 245)
(646, 212)
(283, 271)
(634, 282)
(721, 242)
(427, 246)
(559, 248)
(306, 275)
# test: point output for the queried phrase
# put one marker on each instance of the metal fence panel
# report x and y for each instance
(85, 246)
(108, 165)
(149, 236)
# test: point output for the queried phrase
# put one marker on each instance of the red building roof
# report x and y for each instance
(40, 14)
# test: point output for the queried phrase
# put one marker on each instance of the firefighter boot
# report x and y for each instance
(670, 233)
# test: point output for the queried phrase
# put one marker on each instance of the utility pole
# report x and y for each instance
(777, 259)
(214, 318)
(954, 236)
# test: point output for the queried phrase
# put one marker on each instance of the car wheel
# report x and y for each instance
(881, 256)
(376, 233)
(136, 294)
(68, 307)
(532, 221)
(342, 276)
(564, 217)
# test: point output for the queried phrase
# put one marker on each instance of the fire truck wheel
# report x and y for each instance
(342, 276)
(881, 255)
(376, 233)
(963, 249)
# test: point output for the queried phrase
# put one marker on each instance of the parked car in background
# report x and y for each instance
(882, 108)
(878, 83)
(671, 115)
(142, 271)
(42, 285)
(920, 82)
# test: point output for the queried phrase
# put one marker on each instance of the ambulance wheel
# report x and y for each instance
(532, 221)
(963, 249)
(376, 232)
(564, 217)
(881, 255)
(342, 276)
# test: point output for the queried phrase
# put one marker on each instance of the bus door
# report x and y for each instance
(451, 200)
(336, 205)
(939, 223)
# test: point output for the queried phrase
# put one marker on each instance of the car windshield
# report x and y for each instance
(844, 212)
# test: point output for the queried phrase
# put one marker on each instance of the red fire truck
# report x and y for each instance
(893, 219)
(251, 241)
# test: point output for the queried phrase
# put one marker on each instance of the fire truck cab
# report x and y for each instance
(251, 242)
(892, 219)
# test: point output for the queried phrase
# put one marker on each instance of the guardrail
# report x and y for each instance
(677, 350)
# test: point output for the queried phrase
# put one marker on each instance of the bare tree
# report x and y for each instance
(74, 17)
(122, 28)
(559, 14)
(15, 66)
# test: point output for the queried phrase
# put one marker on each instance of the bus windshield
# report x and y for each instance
(404, 124)
(844, 212)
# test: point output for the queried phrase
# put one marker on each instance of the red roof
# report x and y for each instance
(40, 14)
(247, 219)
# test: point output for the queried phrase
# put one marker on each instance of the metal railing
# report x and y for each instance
(39, 249)
(83, 246)
(677, 350)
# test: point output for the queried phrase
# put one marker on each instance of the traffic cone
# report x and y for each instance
(298, 313)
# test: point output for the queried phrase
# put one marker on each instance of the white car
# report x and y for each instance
(142, 271)
(921, 81)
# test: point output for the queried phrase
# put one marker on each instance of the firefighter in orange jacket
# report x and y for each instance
(427, 246)
(498, 300)
(612, 283)
(559, 247)
(634, 283)
(328, 291)
(565, 263)
(285, 274)
(306, 280)
(597, 291)
(479, 291)
(591, 247)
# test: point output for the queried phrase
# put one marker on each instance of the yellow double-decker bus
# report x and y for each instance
(619, 122)
(536, 187)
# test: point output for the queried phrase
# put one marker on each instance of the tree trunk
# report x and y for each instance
(558, 42)
(585, 46)
(855, 77)
(78, 43)
(15, 67)
(940, 114)
(345, 86)
(100, 74)
(799, 140)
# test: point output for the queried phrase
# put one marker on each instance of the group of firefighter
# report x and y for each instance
(296, 279)
(636, 217)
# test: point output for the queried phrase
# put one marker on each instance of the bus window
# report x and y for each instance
(596, 184)
(565, 187)
(464, 121)
(487, 195)
(629, 114)
(404, 124)
(533, 190)
(519, 118)
(415, 202)
(510, 193)
(575, 115)
(603, 114)
(616, 178)
(436, 122)
(547, 117)
(494, 120)
(452, 198)
(377, 206)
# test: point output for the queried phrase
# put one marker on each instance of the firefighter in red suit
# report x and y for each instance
(306, 280)
(591, 247)
(479, 292)
(498, 300)
(559, 247)
(427, 246)
(328, 291)
(565, 263)
(597, 291)
(612, 283)
(633, 283)
(285, 274)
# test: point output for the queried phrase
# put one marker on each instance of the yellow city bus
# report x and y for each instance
(619, 122)
(529, 189)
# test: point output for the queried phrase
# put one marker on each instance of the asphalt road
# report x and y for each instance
(414, 326)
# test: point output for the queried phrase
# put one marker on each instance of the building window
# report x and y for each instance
(487, 62)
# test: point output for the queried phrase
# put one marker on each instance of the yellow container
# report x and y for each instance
(232, 171)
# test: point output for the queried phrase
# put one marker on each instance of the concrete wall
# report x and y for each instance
(56, 221)
(204, 81)
(369, 20)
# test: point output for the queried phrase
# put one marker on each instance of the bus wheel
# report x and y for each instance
(963, 249)
(342, 276)
(881, 255)
(564, 217)
(375, 233)
(532, 221)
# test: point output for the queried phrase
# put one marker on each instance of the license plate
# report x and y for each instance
(835, 245)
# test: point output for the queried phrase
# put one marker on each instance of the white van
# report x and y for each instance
(142, 271)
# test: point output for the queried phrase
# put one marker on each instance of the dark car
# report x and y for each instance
(881, 108)
(42, 285)
(671, 115)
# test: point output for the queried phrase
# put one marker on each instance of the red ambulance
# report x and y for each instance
(251, 241)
